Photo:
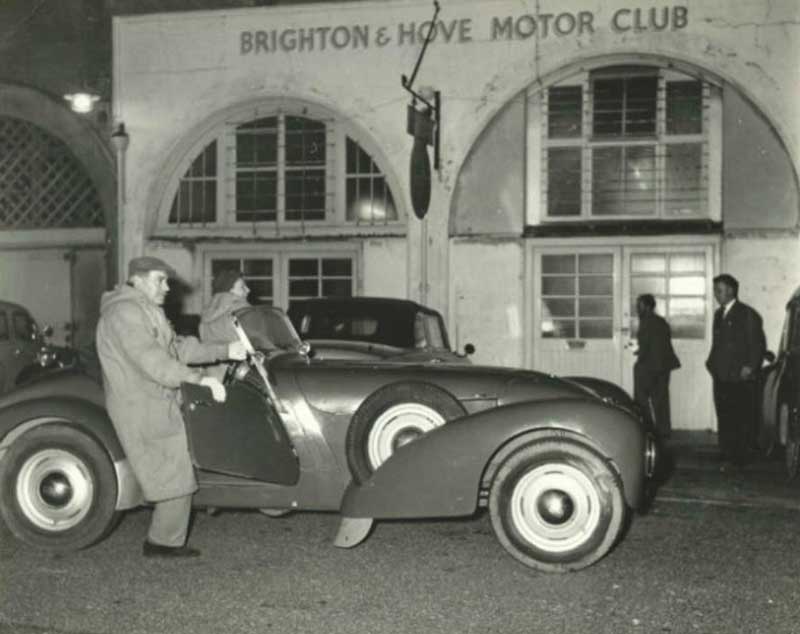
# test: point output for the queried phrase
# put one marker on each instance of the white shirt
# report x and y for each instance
(727, 307)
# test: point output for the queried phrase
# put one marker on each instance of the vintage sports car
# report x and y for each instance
(383, 328)
(558, 468)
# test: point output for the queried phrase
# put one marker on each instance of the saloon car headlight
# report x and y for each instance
(650, 455)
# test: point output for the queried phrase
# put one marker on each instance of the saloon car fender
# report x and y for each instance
(440, 474)
(88, 417)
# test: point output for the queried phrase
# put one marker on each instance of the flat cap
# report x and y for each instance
(146, 263)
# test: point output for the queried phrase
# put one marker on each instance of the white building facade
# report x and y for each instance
(590, 151)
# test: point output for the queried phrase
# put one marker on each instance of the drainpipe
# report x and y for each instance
(120, 140)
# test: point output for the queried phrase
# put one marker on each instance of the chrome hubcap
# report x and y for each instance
(55, 490)
(398, 426)
(555, 507)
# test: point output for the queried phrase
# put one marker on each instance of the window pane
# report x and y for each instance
(684, 192)
(595, 329)
(305, 195)
(256, 196)
(258, 267)
(3, 327)
(600, 285)
(695, 285)
(608, 105)
(596, 263)
(640, 106)
(558, 264)
(303, 267)
(624, 180)
(337, 288)
(651, 285)
(684, 107)
(558, 329)
(558, 307)
(592, 307)
(625, 107)
(196, 196)
(305, 141)
(688, 263)
(339, 267)
(558, 286)
(564, 181)
(303, 288)
(564, 111)
(260, 291)
(257, 143)
(648, 264)
(687, 317)
(217, 266)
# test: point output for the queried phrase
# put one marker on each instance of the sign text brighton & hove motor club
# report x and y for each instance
(459, 30)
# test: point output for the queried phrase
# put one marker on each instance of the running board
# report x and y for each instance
(352, 531)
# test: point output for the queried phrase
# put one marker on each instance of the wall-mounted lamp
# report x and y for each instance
(82, 102)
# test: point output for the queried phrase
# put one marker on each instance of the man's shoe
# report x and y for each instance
(149, 549)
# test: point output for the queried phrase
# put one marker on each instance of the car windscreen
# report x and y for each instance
(268, 328)
(355, 323)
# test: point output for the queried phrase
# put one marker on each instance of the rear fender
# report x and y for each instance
(440, 474)
(91, 419)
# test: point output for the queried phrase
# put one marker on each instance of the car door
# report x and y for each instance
(244, 436)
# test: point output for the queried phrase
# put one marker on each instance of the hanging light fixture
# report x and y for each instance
(83, 99)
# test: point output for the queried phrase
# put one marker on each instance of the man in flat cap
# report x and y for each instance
(144, 364)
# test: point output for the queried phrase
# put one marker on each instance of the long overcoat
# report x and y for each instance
(143, 365)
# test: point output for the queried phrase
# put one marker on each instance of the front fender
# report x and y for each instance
(439, 474)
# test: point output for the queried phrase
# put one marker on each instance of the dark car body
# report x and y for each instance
(296, 450)
(780, 402)
(23, 349)
(380, 328)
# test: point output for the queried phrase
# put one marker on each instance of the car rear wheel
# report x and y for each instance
(58, 488)
(557, 506)
(392, 417)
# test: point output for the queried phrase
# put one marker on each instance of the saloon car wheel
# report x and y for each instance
(556, 506)
(392, 417)
(58, 488)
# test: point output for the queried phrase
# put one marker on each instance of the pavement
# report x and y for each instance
(693, 471)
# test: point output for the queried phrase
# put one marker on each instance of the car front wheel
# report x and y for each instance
(58, 488)
(557, 506)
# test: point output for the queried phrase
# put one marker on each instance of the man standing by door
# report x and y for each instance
(737, 352)
(655, 360)
(144, 364)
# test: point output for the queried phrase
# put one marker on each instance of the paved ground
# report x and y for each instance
(717, 553)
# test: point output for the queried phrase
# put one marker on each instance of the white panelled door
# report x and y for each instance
(584, 316)
(576, 312)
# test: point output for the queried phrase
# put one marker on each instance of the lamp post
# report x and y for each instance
(120, 141)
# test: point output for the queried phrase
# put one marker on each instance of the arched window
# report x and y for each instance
(628, 142)
(287, 168)
(42, 184)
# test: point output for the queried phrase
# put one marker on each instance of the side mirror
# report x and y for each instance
(469, 349)
(769, 356)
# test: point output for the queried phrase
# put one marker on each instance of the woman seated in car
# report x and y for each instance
(216, 326)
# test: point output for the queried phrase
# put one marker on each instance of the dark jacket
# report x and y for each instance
(656, 353)
(738, 341)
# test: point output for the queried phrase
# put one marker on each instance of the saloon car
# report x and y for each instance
(373, 328)
(558, 468)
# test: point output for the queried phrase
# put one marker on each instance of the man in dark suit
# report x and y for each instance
(737, 351)
(654, 361)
